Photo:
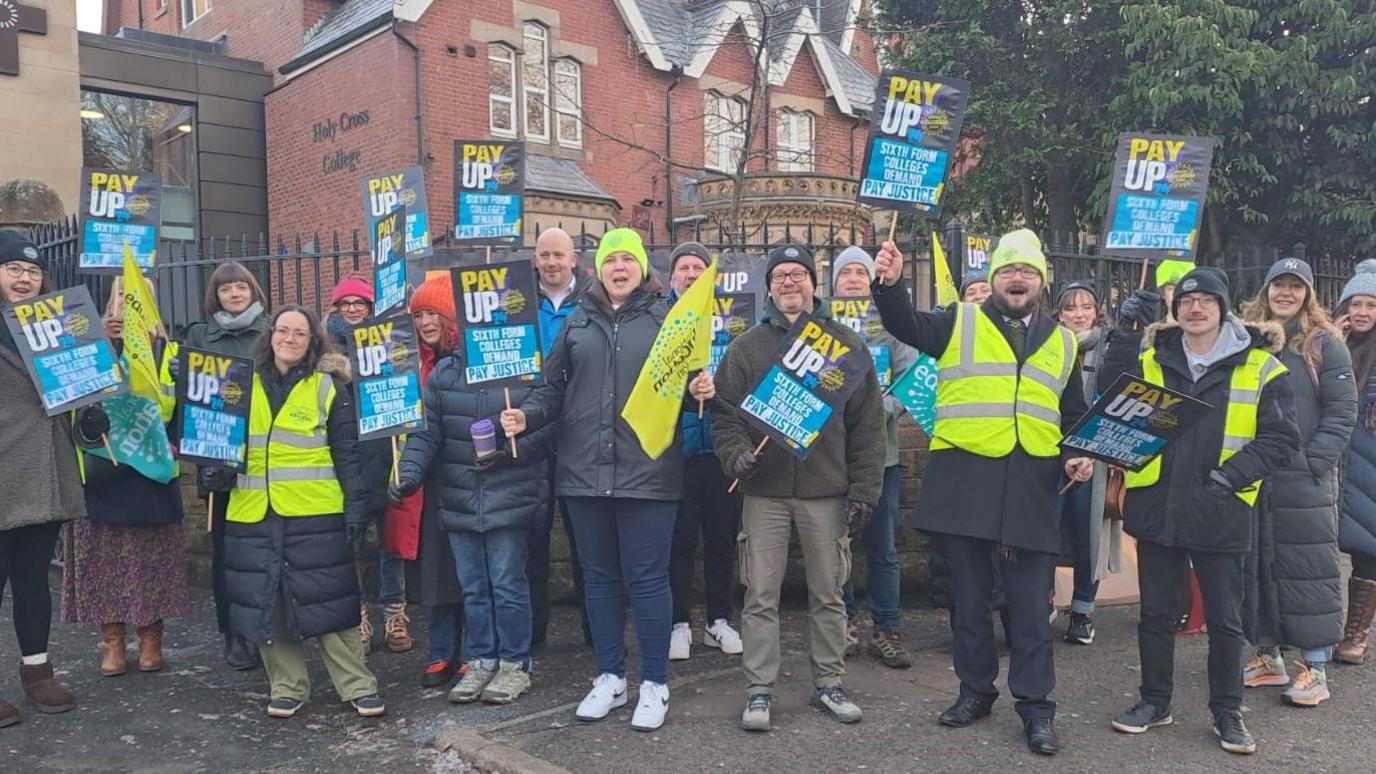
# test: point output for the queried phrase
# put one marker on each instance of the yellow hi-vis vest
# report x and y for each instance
(1240, 423)
(985, 403)
(289, 461)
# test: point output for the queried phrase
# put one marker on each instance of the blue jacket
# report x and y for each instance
(552, 318)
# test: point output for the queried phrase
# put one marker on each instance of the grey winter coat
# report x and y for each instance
(1357, 505)
(1106, 535)
(39, 481)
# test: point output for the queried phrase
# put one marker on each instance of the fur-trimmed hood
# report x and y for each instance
(1268, 334)
(336, 365)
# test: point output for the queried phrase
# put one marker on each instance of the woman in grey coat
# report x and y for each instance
(1295, 580)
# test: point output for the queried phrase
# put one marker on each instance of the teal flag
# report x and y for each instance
(916, 390)
(138, 436)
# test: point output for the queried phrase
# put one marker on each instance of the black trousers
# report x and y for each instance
(537, 568)
(1363, 566)
(1160, 573)
(707, 511)
(217, 559)
(25, 554)
(1026, 578)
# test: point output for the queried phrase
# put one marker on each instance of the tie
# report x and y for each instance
(1017, 336)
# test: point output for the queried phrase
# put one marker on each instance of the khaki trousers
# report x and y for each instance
(285, 662)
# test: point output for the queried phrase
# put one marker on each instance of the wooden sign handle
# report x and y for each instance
(737, 482)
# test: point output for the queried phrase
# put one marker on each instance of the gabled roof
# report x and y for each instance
(546, 174)
(349, 21)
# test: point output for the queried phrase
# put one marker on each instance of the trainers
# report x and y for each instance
(437, 674)
(369, 706)
(1080, 629)
(284, 707)
(852, 639)
(1265, 669)
(680, 642)
(652, 707)
(721, 635)
(511, 681)
(1232, 733)
(833, 701)
(608, 692)
(756, 715)
(888, 648)
(1143, 716)
(394, 627)
(475, 679)
(365, 629)
(1309, 689)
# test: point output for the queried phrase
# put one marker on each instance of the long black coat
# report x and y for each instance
(306, 560)
(1295, 571)
(1177, 510)
(1010, 500)
(1357, 505)
(510, 495)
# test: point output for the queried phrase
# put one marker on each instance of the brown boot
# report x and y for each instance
(150, 647)
(1361, 608)
(112, 660)
(46, 693)
(9, 714)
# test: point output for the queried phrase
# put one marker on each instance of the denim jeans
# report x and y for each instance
(880, 537)
(496, 598)
(445, 632)
(1075, 507)
(390, 569)
(623, 545)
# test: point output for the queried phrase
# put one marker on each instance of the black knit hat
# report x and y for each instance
(1203, 279)
(14, 246)
(791, 254)
(1074, 285)
(695, 249)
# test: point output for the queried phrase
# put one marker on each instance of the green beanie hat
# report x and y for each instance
(1170, 272)
(622, 240)
(1021, 246)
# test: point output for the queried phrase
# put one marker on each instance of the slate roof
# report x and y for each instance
(561, 176)
(337, 27)
(857, 81)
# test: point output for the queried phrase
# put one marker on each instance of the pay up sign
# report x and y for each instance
(861, 315)
(60, 338)
(214, 393)
(489, 187)
(384, 193)
(119, 207)
(498, 323)
(914, 129)
(1133, 421)
(386, 363)
(389, 260)
(1159, 185)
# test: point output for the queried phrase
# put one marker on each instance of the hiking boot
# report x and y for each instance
(1361, 608)
(511, 681)
(113, 660)
(365, 629)
(475, 679)
(150, 647)
(1265, 669)
(394, 623)
(756, 715)
(46, 693)
(721, 635)
(9, 714)
(369, 706)
(1080, 629)
(833, 701)
(680, 642)
(1232, 734)
(1142, 717)
(1309, 689)
(608, 692)
(284, 707)
(852, 639)
(888, 648)
(652, 707)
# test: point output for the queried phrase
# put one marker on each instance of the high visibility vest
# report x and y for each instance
(289, 460)
(986, 403)
(1239, 424)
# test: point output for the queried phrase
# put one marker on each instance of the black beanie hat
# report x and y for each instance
(1203, 279)
(696, 249)
(791, 254)
(14, 246)
(1074, 285)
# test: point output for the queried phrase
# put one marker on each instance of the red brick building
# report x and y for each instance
(633, 111)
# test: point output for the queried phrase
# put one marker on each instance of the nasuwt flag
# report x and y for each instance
(684, 344)
(946, 292)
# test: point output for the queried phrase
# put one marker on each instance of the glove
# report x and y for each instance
(398, 491)
(491, 461)
(91, 424)
(216, 479)
(1141, 309)
(857, 516)
(743, 465)
(1217, 484)
(355, 534)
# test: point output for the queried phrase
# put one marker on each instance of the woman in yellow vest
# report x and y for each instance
(294, 516)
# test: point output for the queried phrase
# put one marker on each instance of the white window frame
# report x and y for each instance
(568, 103)
(723, 131)
(189, 8)
(795, 153)
(499, 54)
(534, 32)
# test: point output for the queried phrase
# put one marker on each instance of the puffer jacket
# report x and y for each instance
(589, 374)
(510, 495)
(1357, 503)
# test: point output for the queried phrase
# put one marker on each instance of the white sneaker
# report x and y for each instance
(721, 635)
(653, 706)
(608, 692)
(680, 642)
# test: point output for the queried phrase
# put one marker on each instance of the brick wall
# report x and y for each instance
(269, 31)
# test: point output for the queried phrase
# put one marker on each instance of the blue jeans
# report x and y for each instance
(444, 632)
(623, 545)
(881, 557)
(496, 598)
(1075, 507)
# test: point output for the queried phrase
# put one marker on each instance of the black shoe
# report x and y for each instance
(437, 674)
(240, 654)
(965, 711)
(1041, 736)
(1143, 716)
(1080, 631)
(1232, 733)
(369, 706)
(284, 707)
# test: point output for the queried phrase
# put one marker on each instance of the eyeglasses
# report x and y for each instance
(796, 277)
(15, 270)
(1021, 270)
(291, 334)
(352, 305)
(1200, 300)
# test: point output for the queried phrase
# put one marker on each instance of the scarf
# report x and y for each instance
(233, 322)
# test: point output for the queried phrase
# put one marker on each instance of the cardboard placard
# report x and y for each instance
(916, 390)
(61, 337)
(489, 190)
(978, 248)
(498, 317)
(389, 261)
(215, 392)
(1157, 198)
(384, 193)
(118, 207)
(385, 357)
(914, 130)
(732, 315)
(860, 314)
(1133, 422)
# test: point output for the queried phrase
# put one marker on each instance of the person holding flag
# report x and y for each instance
(622, 480)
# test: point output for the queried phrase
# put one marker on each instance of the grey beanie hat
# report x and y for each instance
(1363, 283)
(848, 256)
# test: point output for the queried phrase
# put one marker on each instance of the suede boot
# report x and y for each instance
(46, 693)
(9, 714)
(112, 660)
(150, 647)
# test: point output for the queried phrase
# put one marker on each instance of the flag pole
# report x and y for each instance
(759, 448)
(105, 439)
(507, 392)
(209, 512)
(396, 463)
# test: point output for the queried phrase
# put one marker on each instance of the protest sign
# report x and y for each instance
(978, 247)
(732, 315)
(389, 262)
(386, 364)
(61, 338)
(861, 315)
(916, 390)
(498, 323)
(489, 190)
(811, 376)
(118, 208)
(384, 193)
(1157, 197)
(1133, 421)
(214, 392)
(914, 129)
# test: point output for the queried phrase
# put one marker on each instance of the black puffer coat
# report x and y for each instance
(306, 560)
(510, 495)
(588, 377)
(1357, 505)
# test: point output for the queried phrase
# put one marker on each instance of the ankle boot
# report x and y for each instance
(150, 647)
(9, 714)
(46, 693)
(1361, 608)
(112, 660)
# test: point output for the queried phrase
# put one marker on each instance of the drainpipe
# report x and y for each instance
(420, 135)
(677, 72)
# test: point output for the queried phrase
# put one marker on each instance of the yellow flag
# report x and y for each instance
(141, 319)
(684, 344)
(946, 292)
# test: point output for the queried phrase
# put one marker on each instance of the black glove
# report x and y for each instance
(216, 479)
(1217, 484)
(857, 516)
(91, 423)
(400, 490)
(494, 460)
(1141, 309)
(743, 465)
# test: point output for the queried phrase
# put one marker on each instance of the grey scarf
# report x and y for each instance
(240, 321)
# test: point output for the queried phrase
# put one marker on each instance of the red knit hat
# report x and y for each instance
(436, 295)
(352, 286)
